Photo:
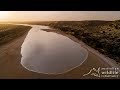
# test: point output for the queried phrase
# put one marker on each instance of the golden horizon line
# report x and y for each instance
(54, 20)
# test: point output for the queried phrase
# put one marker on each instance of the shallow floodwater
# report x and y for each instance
(50, 53)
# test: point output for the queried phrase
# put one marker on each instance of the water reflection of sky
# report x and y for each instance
(48, 52)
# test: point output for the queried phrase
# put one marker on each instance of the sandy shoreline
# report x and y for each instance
(10, 67)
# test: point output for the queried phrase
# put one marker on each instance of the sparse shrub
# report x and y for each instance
(12, 33)
(101, 35)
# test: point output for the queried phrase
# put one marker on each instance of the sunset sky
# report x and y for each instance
(58, 15)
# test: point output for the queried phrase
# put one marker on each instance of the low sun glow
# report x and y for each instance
(4, 15)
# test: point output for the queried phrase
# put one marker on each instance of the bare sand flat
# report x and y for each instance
(10, 67)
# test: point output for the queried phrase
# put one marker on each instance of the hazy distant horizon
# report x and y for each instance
(24, 16)
(57, 20)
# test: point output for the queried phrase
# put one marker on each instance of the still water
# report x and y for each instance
(50, 53)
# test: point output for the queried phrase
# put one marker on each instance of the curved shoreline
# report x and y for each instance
(107, 60)
(56, 72)
(11, 68)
